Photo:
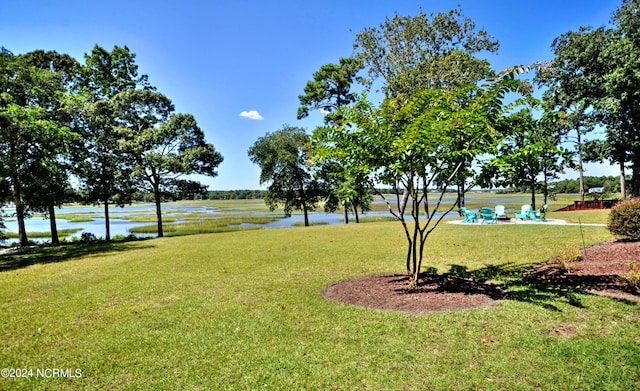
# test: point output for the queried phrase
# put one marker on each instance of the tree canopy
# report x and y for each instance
(424, 52)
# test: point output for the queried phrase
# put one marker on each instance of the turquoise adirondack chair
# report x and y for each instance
(500, 212)
(540, 214)
(470, 216)
(524, 213)
(488, 216)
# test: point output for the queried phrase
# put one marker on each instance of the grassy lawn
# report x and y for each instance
(244, 310)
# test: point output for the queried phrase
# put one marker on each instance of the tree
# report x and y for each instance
(282, 157)
(48, 185)
(416, 53)
(161, 147)
(329, 90)
(621, 106)
(530, 149)
(411, 142)
(346, 189)
(100, 162)
(32, 132)
(574, 87)
(426, 52)
(600, 67)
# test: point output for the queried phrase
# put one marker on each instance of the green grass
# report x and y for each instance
(244, 310)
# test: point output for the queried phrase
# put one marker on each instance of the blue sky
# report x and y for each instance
(220, 59)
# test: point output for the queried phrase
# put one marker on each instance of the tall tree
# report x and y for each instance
(574, 87)
(282, 157)
(424, 52)
(32, 132)
(49, 184)
(439, 51)
(330, 89)
(621, 106)
(529, 150)
(162, 147)
(601, 67)
(101, 165)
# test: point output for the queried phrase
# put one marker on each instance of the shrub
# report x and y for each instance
(632, 279)
(567, 259)
(87, 237)
(624, 219)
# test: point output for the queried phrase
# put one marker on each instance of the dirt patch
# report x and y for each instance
(599, 272)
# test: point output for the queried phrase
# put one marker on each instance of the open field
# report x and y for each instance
(244, 310)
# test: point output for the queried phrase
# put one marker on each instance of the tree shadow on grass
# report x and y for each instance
(19, 258)
(541, 285)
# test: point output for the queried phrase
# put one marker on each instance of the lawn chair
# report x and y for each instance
(524, 213)
(540, 214)
(499, 212)
(470, 216)
(488, 216)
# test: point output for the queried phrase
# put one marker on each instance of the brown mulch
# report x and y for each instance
(599, 272)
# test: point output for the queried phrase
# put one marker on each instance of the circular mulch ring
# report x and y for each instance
(599, 273)
(434, 293)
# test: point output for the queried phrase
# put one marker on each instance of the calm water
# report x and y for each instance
(120, 226)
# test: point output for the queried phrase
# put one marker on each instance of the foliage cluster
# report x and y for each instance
(572, 186)
(100, 123)
(632, 278)
(624, 219)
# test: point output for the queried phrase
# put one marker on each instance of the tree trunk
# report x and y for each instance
(533, 194)
(107, 235)
(22, 229)
(346, 214)
(461, 196)
(53, 225)
(623, 181)
(355, 211)
(156, 192)
(306, 214)
(580, 168)
(635, 180)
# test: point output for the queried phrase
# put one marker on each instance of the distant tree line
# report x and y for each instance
(96, 133)
(608, 184)
(236, 194)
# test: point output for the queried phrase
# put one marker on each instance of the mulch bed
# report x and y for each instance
(599, 272)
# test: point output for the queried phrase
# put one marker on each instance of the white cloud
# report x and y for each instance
(251, 114)
(324, 112)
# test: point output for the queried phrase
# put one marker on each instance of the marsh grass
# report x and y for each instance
(244, 310)
(149, 218)
(376, 219)
(77, 217)
(210, 225)
(39, 235)
(311, 223)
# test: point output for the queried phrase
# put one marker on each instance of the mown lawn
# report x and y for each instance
(244, 310)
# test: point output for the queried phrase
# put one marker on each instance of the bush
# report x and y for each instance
(87, 237)
(633, 277)
(624, 219)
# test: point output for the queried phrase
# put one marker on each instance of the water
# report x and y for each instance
(120, 226)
